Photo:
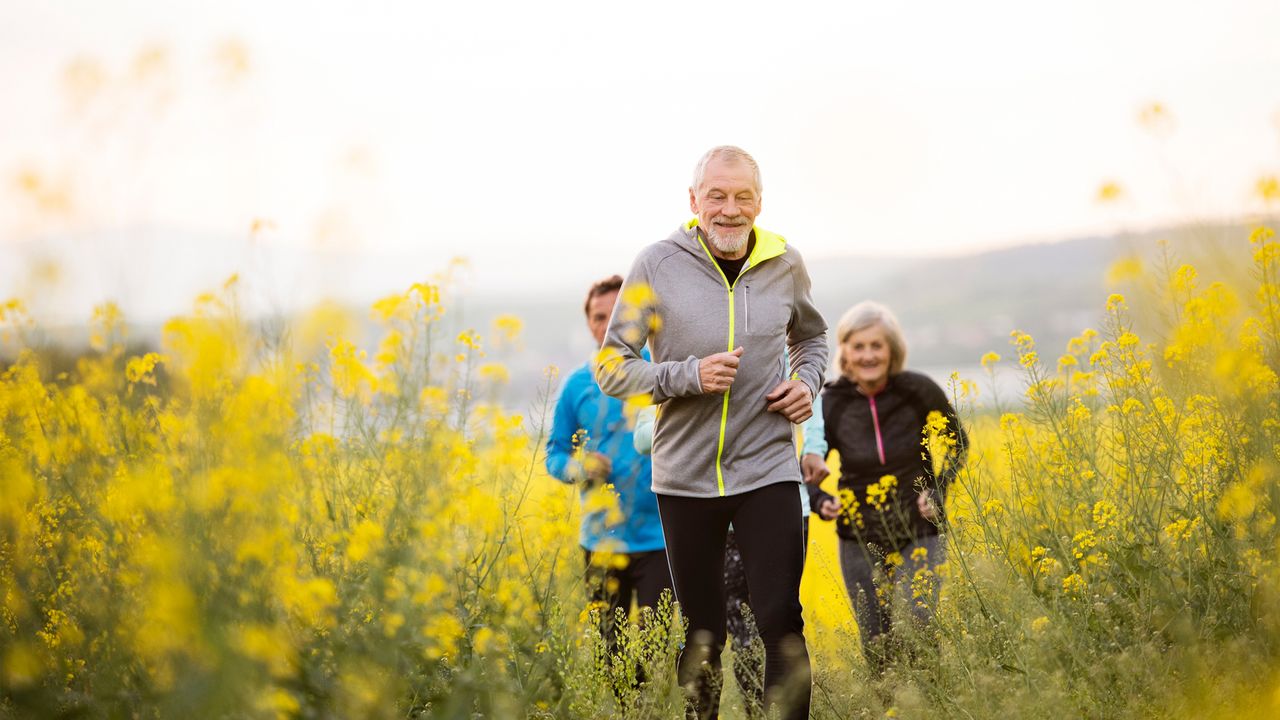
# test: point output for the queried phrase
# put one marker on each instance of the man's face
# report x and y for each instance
(726, 204)
(599, 310)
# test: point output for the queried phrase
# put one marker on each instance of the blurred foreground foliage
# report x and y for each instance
(250, 524)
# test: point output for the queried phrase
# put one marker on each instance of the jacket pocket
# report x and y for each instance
(763, 313)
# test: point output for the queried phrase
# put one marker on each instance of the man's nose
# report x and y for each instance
(730, 208)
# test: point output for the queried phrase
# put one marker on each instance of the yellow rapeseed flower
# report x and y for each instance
(442, 633)
(1181, 529)
(469, 339)
(1022, 341)
(1156, 118)
(494, 373)
(878, 494)
(1104, 514)
(1083, 542)
(365, 539)
(1073, 584)
(639, 295)
(427, 293)
(270, 646)
(507, 328)
(1268, 188)
(1125, 269)
(1110, 192)
(139, 369)
(396, 306)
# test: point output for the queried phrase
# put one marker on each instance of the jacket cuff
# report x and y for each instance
(812, 380)
(677, 378)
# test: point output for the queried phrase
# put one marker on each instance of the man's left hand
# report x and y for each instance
(793, 399)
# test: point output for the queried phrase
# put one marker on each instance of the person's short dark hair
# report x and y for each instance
(613, 283)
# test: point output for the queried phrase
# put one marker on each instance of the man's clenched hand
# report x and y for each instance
(716, 372)
(793, 399)
(596, 468)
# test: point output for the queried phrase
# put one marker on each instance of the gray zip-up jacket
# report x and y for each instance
(677, 300)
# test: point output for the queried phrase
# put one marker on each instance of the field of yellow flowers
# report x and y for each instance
(266, 522)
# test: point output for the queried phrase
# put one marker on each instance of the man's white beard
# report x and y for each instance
(729, 243)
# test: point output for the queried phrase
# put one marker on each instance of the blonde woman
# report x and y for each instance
(876, 413)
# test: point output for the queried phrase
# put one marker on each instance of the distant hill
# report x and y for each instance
(953, 309)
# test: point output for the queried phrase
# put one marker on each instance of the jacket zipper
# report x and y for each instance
(724, 408)
(875, 421)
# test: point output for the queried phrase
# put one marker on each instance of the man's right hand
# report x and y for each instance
(596, 467)
(716, 372)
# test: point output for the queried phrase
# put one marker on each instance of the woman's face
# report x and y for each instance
(866, 356)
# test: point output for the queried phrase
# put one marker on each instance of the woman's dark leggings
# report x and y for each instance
(770, 536)
(914, 584)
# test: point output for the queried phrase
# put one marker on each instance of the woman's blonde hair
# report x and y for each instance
(862, 316)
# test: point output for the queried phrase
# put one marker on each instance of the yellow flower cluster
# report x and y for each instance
(1138, 481)
(288, 516)
(849, 508)
(882, 492)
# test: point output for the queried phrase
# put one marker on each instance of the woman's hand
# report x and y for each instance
(928, 508)
(829, 508)
(813, 469)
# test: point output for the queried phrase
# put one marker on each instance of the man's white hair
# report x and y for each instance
(731, 153)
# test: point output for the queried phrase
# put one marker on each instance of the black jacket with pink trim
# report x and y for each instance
(889, 442)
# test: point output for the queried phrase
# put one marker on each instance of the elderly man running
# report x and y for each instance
(722, 304)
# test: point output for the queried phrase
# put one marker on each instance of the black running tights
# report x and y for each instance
(769, 531)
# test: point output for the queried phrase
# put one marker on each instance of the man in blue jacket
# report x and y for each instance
(592, 446)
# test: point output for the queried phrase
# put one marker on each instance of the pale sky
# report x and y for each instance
(549, 141)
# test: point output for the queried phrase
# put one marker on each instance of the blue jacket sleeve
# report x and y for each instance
(560, 442)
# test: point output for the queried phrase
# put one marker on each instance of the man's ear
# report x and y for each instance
(693, 201)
